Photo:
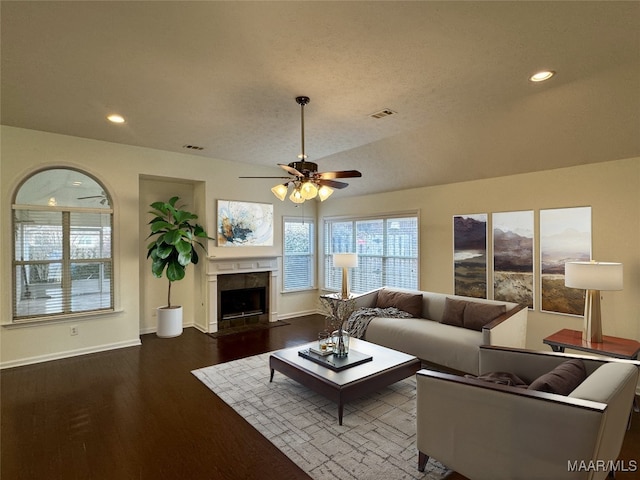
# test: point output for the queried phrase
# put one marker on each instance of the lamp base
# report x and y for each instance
(345, 283)
(592, 331)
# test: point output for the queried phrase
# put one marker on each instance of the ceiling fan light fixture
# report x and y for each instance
(308, 190)
(296, 195)
(307, 182)
(324, 192)
(280, 191)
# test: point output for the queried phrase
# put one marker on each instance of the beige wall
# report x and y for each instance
(612, 189)
(135, 176)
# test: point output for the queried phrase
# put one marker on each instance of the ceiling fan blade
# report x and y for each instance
(285, 178)
(341, 174)
(332, 183)
(291, 170)
(92, 196)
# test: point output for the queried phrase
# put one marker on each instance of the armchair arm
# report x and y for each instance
(488, 431)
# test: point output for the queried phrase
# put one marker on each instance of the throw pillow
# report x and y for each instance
(561, 380)
(407, 302)
(453, 312)
(477, 315)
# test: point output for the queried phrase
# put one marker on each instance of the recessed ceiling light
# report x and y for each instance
(115, 118)
(542, 76)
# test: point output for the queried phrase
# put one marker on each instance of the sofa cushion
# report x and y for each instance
(407, 302)
(435, 342)
(563, 379)
(477, 315)
(453, 312)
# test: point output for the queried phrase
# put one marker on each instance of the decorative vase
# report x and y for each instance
(169, 322)
(341, 339)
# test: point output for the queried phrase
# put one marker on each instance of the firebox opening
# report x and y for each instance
(243, 302)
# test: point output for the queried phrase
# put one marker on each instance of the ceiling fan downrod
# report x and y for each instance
(302, 101)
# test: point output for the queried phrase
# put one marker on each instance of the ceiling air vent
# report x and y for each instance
(385, 112)
(192, 147)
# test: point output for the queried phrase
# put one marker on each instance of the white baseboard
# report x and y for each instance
(146, 330)
(297, 314)
(69, 354)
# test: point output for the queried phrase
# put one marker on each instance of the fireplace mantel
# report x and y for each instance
(229, 265)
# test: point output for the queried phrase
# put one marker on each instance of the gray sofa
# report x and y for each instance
(437, 333)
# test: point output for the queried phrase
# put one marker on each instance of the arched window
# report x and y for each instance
(62, 255)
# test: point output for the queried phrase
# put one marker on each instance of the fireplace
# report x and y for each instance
(244, 302)
(243, 299)
(241, 291)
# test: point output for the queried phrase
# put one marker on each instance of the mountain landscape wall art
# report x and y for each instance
(470, 255)
(513, 257)
(565, 236)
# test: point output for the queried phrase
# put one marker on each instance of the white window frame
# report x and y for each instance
(311, 255)
(329, 272)
(65, 260)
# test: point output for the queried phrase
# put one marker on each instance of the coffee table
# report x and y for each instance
(387, 366)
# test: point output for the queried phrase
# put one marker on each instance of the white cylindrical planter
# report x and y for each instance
(169, 322)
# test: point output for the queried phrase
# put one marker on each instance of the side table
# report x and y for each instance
(609, 347)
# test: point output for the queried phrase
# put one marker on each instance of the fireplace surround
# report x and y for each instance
(241, 291)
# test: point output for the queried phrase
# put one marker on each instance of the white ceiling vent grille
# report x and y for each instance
(385, 112)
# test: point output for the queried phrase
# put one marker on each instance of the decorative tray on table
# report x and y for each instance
(334, 363)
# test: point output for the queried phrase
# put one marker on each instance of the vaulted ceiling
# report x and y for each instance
(224, 76)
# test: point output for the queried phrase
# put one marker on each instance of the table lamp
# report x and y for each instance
(345, 261)
(593, 277)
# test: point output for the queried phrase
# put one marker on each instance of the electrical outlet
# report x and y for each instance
(73, 330)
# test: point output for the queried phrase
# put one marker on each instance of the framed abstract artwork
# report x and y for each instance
(513, 237)
(565, 236)
(470, 255)
(242, 224)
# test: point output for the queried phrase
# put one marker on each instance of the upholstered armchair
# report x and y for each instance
(486, 430)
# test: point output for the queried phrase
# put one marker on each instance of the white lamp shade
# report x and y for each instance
(593, 275)
(345, 260)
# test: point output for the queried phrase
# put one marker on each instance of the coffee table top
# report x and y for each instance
(383, 359)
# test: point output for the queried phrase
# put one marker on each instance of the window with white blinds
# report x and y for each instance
(387, 249)
(299, 254)
(62, 262)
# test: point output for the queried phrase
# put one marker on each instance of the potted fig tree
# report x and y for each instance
(176, 236)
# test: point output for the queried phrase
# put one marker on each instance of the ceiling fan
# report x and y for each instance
(102, 196)
(307, 182)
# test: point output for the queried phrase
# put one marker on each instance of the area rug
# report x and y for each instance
(247, 328)
(377, 439)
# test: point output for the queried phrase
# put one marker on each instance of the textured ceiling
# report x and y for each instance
(224, 76)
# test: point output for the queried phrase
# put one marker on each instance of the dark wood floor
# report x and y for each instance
(139, 413)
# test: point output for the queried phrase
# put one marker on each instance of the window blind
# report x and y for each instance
(62, 262)
(298, 254)
(387, 249)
